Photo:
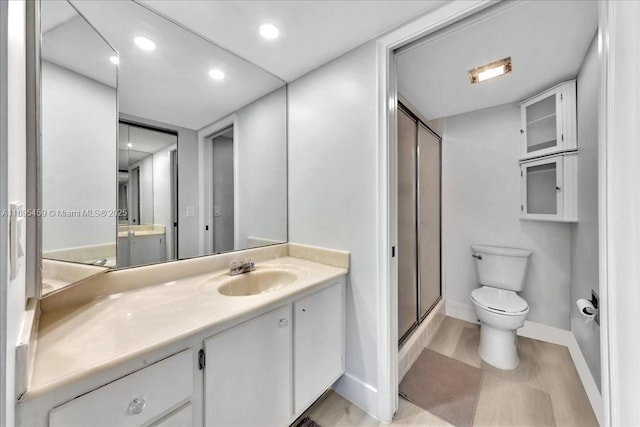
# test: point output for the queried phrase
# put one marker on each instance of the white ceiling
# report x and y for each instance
(69, 41)
(170, 84)
(144, 142)
(547, 41)
(311, 32)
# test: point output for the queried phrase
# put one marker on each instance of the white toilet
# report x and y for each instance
(500, 310)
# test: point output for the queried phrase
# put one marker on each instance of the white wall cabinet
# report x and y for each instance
(549, 188)
(318, 343)
(248, 373)
(135, 400)
(548, 122)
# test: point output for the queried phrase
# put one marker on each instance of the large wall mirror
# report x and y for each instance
(156, 144)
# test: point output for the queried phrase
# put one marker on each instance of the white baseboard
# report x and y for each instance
(552, 335)
(356, 391)
(589, 384)
(461, 311)
(545, 333)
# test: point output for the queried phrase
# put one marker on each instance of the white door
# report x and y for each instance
(248, 373)
(318, 353)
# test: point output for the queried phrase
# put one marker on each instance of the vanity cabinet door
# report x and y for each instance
(318, 344)
(147, 250)
(248, 373)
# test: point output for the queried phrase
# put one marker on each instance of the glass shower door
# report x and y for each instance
(428, 220)
(407, 230)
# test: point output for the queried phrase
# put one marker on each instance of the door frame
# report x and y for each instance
(204, 136)
(446, 13)
(618, 278)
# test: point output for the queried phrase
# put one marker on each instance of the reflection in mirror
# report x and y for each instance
(201, 164)
(147, 195)
(78, 135)
(185, 194)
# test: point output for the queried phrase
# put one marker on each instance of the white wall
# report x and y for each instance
(12, 188)
(333, 188)
(481, 204)
(584, 234)
(260, 136)
(79, 170)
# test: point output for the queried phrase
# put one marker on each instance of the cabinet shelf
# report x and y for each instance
(541, 145)
(541, 118)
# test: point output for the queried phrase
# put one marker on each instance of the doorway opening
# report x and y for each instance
(219, 203)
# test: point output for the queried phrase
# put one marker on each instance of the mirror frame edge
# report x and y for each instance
(33, 239)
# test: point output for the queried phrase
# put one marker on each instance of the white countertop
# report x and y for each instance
(77, 341)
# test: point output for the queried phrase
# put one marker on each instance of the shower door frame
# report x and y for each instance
(404, 106)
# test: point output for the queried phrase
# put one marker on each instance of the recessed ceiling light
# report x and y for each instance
(491, 70)
(269, 31)
(129, 145)
(114, 60)
(145, 43)
(216, 74)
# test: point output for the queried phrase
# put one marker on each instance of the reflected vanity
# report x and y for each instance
(156, 144)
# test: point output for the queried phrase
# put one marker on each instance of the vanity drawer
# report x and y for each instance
(182, 417)
(133, 400)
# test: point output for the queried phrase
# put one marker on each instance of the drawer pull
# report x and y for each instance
(283, 323)
(137, 406)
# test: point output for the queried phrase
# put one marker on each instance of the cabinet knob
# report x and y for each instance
(557, 188)
(283, 323)
(521, 131)
(137, 406)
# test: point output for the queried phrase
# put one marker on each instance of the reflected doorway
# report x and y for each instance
(220, 204)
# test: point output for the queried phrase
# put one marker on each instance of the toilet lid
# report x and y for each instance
(499, 299)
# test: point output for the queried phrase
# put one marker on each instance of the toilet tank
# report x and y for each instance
(500, 267)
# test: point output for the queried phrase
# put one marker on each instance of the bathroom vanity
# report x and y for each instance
(185, 343)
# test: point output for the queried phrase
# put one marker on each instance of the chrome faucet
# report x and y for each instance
(238, 267)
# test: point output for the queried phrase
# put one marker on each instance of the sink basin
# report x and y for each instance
(260, 281)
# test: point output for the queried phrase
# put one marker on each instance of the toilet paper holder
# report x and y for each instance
(595, 302)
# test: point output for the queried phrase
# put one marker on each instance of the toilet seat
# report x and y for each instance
(499, 301)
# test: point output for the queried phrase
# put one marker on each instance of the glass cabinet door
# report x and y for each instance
(548, 122)
(541, 130)
(542, 188)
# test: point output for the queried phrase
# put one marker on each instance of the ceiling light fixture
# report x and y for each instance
(269, 31)
(489, 71)
(129, 145)
(216, 74)
(145, 43)
(114, 60)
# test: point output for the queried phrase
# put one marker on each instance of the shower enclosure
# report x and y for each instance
(419, 240)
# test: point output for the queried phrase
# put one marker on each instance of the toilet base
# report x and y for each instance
(498, 347)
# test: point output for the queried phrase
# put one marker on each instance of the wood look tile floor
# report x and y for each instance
(544, 390)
